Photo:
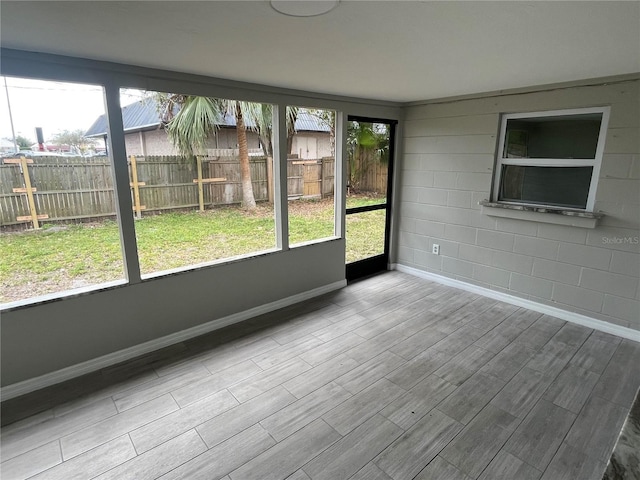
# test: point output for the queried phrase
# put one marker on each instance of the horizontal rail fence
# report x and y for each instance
(70, 188)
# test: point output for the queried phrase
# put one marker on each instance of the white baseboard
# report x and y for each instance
(573, 317)
(33, 384)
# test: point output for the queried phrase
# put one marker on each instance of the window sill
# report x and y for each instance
(62, 295)
(555, 215)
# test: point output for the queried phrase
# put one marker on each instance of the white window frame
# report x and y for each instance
(553, 162)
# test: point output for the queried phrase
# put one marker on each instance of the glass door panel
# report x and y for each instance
(370, 145)
(365, 235)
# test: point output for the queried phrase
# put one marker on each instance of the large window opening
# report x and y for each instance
(551, 158)
(197, 185)
(58, 228)
(201, 173)
(311, 164)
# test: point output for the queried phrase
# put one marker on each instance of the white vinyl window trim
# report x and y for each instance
(595, 162)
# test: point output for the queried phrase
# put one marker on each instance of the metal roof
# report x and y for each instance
(143, 115)
(308, 122)
(136, 116)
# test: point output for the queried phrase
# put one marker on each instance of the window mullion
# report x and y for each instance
(120, 169)
(341, 165)
(280, 198)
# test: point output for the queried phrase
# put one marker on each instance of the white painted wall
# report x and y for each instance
(446, 169)
(45, 338)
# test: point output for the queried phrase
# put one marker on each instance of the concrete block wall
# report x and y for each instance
(446, 168)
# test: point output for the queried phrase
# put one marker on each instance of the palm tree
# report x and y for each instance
(192, 119)
(248, 200)
(262, 114)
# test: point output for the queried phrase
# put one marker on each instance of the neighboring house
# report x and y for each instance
(145, 134)
(6, 145)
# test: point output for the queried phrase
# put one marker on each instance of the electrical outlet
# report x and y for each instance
(435, 249)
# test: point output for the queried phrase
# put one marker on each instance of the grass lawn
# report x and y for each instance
(58, 258)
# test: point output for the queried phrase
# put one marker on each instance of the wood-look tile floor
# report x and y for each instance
(392, 377)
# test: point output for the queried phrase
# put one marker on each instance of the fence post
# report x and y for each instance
(322, 175)
(200, 188)
(136, 190)
(27, 184)
(200, 181)
(28, 189)
(270, 178)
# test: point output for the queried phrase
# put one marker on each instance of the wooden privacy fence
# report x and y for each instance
(66, 188)
(367, 173)
(165, 183)
(310, 178)
(70, 188)
(374, 178)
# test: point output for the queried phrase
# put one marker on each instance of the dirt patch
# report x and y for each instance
(311, 207)
(23, 285)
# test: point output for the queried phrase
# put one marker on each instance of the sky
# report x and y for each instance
(54, 106)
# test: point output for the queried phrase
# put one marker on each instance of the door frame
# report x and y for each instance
(377, 263)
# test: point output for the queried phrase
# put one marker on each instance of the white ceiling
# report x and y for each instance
(386, 50)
